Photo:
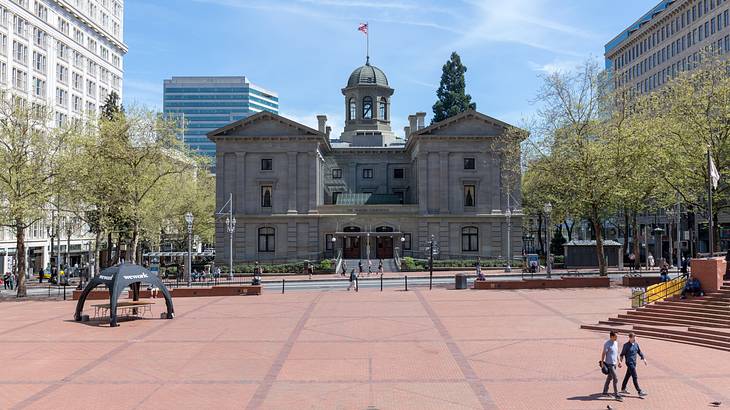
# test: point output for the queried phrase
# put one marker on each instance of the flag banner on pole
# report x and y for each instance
(363, 27)
(714, 175)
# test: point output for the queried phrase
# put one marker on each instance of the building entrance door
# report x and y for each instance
(384, 244)
(351, 244)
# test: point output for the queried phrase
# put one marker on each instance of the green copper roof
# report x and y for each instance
(367, 75)
(368, 199)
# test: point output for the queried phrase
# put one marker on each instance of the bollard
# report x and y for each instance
(49, 290)
(357, 285)
(283, 281)
(381, 282)
(406, 283)
(64, 291)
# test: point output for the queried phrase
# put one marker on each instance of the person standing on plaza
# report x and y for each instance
(380, 267)
(353, 279)
(344, 268)
(609, 359)
(370, 266)
(359, 267)
(478, 267)
(650, 261)
(628, 353)
(632, 262)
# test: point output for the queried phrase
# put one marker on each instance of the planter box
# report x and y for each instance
(93, 295)
(203, 292)
(640, 281)
(563, 282)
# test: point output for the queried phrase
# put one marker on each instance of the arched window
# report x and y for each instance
(469, 239)
(353, 110)
(367, 108)
(266, 239)
(383, 109)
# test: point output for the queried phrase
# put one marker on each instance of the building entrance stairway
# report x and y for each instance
(702, 321)
(389, 265)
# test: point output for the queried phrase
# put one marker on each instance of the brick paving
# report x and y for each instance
(421, 349)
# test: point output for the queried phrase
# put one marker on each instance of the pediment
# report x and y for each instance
(263, 124)
(471, 123)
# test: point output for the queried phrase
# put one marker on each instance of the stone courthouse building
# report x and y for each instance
(300, 194)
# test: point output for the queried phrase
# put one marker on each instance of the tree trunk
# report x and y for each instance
(109, 249)
(68, 251)
(20, 257)
(539, 234)
(637, 251)
(118, 253)
(626, 231)
(133, 245)
(599, 244)
(97, 262)
(569, 230)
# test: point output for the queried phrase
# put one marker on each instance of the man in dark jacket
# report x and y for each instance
(628, 353)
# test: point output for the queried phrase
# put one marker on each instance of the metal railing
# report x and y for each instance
(396, 259)
(660, 291)
(338, 264)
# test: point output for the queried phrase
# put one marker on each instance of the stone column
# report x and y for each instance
(444, 182)
(313, 161)
(291, 182)
(422, 169)
(239, 192)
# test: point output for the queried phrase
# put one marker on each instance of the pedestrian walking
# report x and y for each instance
(359, 267)
(629, 352)
(6, 278)
(344, 268)
(353, 279)
(650, 261)
(609, 361)
(632, 262)
(380, 267)
(478, 267)
(370, 266)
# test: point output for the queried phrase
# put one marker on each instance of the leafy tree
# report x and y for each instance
(452, 96)
(31, 154)
(556, 245)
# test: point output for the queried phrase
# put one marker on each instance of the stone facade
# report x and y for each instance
(294, 189)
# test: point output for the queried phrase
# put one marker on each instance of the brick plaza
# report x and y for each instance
(343, 350)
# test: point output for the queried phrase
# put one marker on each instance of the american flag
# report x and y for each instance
(363, 27)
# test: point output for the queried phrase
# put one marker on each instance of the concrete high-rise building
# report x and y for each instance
(204, 104)
(667, 40)
(68, 55)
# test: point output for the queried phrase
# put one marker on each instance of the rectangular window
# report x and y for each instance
(407, 242)
(469, 163)
(266, 239)
(398, 173)
(266, 192)
(469, 239)
(328, 245)
(367, 173)
(337, 173)
(267, 164)
(469, 195)
(335, 195)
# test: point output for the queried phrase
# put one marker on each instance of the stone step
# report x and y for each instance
(709, 313)
(658, 335)
(698, 301)
(678, 315)
(689, 308)
(687, 333)
(710, 331)
(658, 321)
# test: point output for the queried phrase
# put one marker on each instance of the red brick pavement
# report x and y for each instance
(421, 349)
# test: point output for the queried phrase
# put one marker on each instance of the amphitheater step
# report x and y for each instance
(665, 322)
(715, 314)
(657, 335)
(643, 313)
(688, 333)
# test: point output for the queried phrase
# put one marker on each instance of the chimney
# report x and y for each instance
(322, 122)
(412, 123)
(328, 130)
(420, 119)
(407, 131)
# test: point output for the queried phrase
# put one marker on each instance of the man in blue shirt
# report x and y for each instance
(609, 358)
(629, 352)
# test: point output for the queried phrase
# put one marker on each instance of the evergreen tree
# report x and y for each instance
(452, 96)
(112, 106)
(556, 245)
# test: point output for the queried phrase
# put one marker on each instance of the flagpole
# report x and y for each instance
(367, 43)
(709, 204)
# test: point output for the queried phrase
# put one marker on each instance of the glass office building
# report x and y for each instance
(204, 104)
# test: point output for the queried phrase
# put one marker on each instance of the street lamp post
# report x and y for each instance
(548, 263)
(508, 215)
(189, 270)
(231, 227)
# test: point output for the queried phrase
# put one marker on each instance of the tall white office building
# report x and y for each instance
(67, 54)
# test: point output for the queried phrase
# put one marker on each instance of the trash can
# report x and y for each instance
(460, 279)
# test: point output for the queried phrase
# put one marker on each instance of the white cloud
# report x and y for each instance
(556, 66)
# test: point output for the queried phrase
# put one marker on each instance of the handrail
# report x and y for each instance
(661, 291)
(396, 258)
(338, 263)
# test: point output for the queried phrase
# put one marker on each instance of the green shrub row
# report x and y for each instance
(296, 267)
(412, 264)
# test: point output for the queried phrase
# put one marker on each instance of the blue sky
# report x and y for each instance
(306, 49)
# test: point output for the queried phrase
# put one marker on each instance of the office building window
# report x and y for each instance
(267, 164)
(337, 173)
(266, 196)
(469, 239)
(469, 163)
(399, 173)
(367, 173)
(266, 239)
(469, 195)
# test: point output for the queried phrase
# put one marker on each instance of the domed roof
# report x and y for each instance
(367, 75)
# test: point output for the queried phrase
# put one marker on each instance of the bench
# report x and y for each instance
(123, 309)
